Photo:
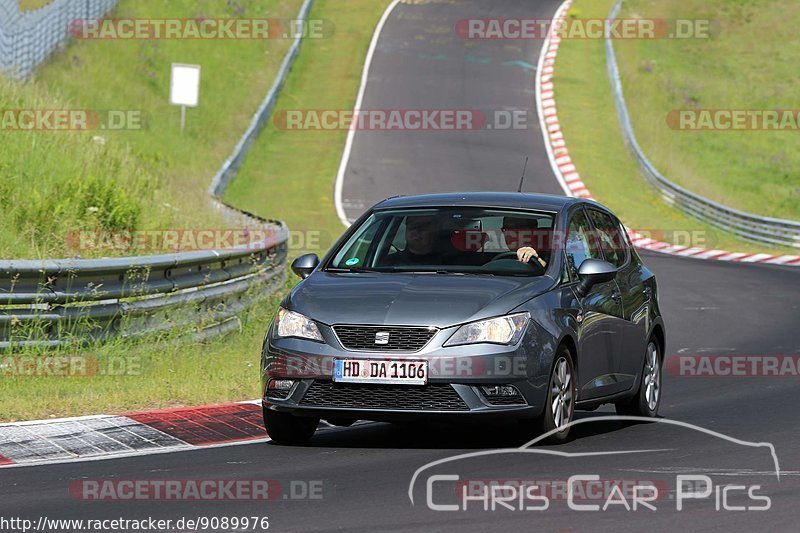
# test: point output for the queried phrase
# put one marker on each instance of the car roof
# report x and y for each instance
(522, 200)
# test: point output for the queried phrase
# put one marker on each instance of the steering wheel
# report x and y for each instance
(506, 255)
(510, 260)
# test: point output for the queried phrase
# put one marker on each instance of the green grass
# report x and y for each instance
(151, 373)
(43, 191)
(298, 188)
(589, 121)
(748, 63)
(290, 174)
(152, 178)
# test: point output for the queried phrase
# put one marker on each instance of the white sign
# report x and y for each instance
(185, 86)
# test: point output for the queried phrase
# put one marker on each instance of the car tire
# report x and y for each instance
(647, 399)
(285, 428)
(561, 395)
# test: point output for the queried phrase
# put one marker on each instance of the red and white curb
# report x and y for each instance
(570, 180)
(110, 436)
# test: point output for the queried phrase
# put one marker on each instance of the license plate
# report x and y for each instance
(385, 371)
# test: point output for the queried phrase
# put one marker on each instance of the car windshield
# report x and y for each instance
(449, 240)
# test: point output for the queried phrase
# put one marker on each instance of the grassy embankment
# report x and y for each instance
(742, 66)
(149, 177)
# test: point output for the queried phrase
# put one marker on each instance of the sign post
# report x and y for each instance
(185, 88)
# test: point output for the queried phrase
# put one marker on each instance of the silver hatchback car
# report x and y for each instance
(465, 306)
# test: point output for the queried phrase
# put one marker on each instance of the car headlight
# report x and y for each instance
(291, 324)
(501, 330)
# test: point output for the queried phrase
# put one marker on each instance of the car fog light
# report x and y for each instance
(500, 390)
(280, 384)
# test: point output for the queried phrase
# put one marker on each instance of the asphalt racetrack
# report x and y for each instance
(365, 472)
(421, 63)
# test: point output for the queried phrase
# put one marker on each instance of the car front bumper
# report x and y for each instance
(455, 377)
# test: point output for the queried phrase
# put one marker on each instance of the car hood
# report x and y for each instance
(439, 300)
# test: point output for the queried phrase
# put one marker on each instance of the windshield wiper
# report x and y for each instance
(400, 270)
(450, 272)
(349, 269)
(440, 271)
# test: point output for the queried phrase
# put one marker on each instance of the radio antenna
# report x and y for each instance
(523, 174)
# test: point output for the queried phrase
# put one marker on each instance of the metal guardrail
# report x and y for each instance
(28, 38)
(54, 302)
(767, 230)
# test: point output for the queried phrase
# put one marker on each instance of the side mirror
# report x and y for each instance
(592, 272)
(304, 265)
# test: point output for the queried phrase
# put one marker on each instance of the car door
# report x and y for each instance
(600, 320)
(630, 280)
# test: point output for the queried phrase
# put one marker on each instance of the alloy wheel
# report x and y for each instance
(561, 394)
(652, 377)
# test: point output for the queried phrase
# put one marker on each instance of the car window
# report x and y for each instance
(448, 239)
(565, 273)
(610, 238)
(354, 253)
(581, 244)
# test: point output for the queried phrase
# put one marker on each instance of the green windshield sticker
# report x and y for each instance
(352, 261)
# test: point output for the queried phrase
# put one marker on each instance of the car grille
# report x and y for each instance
(431, 397)
(405, 339)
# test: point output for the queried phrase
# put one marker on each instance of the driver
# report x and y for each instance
(518, 231)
